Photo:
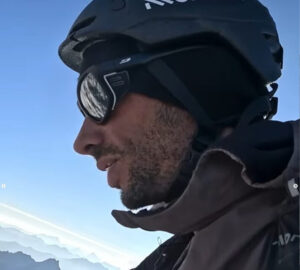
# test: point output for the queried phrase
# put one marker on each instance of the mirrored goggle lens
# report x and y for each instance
(94, 99)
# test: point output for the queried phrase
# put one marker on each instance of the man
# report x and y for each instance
(177, 109)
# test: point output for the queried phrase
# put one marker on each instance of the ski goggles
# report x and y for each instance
(98, 94)
(101, 87)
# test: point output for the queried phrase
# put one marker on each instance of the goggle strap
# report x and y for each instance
(118, 84)
(167, 77)
(106, 77)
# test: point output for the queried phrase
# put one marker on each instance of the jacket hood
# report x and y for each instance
(216, 185)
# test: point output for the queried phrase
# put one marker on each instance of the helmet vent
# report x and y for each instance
(87, 43)
(82, 24)
(278, 56)
(268, 36)
(277, 50)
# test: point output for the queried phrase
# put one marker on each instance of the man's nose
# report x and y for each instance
(90, 134)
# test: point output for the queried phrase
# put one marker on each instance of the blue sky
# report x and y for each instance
(39, 121)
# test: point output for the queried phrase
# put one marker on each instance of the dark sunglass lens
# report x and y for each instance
(93, 97)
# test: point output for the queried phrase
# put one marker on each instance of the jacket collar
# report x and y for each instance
(215, 185)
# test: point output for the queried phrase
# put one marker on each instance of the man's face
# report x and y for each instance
(141, 145)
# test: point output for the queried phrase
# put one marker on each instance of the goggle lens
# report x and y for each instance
(94, 99)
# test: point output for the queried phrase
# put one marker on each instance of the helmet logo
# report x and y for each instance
(149, 3)
(126, 60)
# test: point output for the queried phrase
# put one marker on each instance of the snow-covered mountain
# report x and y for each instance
(20, 261)
(15, 247)
(26, 240)
(35, 246)
(80, 264)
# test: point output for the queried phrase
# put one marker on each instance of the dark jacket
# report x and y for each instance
(239, 210)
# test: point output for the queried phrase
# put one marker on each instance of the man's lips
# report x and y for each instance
(104, 163)
(108, 164)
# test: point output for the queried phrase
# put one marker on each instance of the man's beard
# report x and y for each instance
(155, 165)
(154, 157)
(146, 184)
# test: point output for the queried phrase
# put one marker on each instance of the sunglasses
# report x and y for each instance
(101, 87)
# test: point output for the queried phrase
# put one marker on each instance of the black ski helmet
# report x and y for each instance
(245, 25)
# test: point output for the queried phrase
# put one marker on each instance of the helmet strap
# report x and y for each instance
(167, 77)
(261, 108)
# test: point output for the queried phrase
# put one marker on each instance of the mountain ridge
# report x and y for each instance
(21, 261)
(31, 243)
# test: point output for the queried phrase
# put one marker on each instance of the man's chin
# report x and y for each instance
(131, 203)
(135, 202)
